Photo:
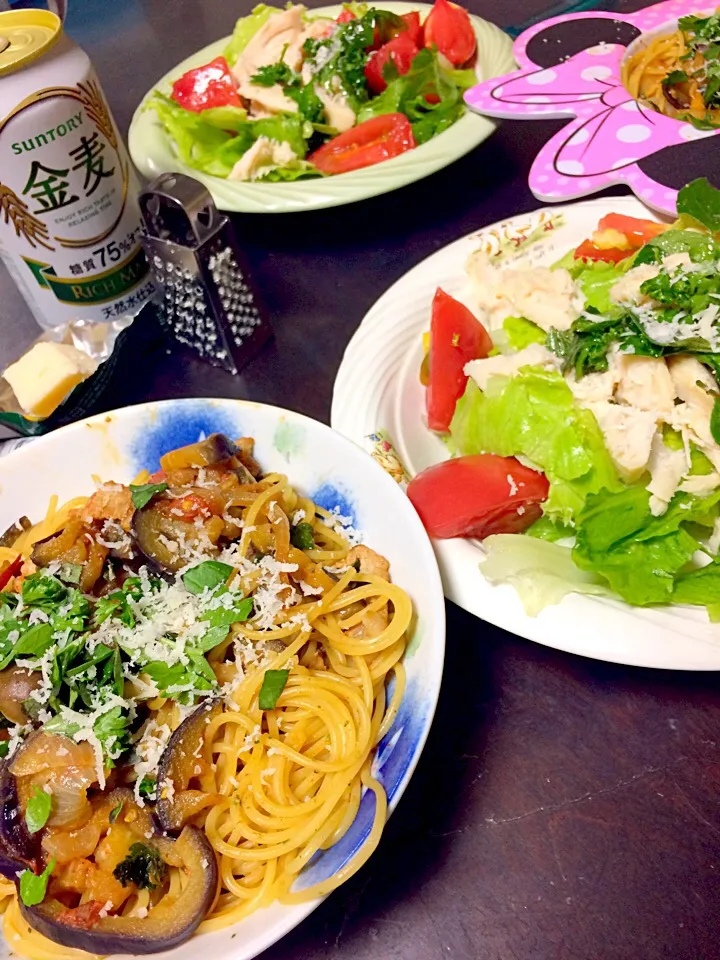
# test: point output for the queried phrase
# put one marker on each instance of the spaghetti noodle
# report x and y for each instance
(269, 783)
(678, 73)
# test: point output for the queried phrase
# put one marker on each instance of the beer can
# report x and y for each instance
(70, 226)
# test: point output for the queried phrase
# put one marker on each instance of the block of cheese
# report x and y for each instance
(45, 375)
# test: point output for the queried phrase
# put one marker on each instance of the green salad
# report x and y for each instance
(295, 95)
(592, 424)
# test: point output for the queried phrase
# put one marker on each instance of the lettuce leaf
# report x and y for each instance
(596, 278)
(520, 333)
(640, 555)
(245, 30)
(214, 140)
(534, 414)
(406, 94)
(541, 572)
(700, 202)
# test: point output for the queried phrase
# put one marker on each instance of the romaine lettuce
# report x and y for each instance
(534, 414)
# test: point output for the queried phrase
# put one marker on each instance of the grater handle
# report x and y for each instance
(179, 209)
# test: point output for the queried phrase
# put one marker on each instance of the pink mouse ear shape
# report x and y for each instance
(681, 163)
(554, 46)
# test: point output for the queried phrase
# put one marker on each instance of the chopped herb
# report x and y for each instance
(302, 536)
(274, 73)
(43, 591)
(212, 638)
(715, 420)
(226, 616)
(143, 493)
(206, 576)
(115, 605)
(143, 867)
(272, 686)
(34, 642)
(33, 887)
(37, 810)
(4, 748)
(116, 811)
(677, 76)
(148, 788)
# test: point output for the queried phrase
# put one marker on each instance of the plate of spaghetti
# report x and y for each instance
(677, 72)
(221, 644)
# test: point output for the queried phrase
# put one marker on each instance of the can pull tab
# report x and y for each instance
(207, 299)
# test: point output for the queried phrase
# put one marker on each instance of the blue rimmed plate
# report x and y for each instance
(336, 473)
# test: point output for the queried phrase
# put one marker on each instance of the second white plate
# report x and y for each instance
(381, 366)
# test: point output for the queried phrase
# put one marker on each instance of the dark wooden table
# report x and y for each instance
(563, 809)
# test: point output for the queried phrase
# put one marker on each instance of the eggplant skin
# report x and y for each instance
(179, 758)
(165, 927)
(18, 849)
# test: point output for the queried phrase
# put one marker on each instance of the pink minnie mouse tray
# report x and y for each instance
(643, 92)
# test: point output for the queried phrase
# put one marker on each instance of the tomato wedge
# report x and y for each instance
(477, 496)
(401, 50)
(456, 337)
(449, 28)
(211, 85)
(637, 231)
(373, 141)
(10, 571)
(414, 29)
(588, 251)
(345, 17)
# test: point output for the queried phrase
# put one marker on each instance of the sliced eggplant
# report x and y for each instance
(18, 848)
(162, 540)
(179, 765)
(215, 450)
(16, 685)
(9, 537)
(168, 924)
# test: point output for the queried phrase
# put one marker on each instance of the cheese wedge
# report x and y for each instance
(45, 375)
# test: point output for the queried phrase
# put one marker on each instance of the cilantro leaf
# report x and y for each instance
(115, 605)
(37, 810)
(273, 73)
(33, 888)
(206, 576)
(272, 686)
(148, 788)
(142, 493)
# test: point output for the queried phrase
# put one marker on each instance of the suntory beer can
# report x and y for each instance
(70, 226)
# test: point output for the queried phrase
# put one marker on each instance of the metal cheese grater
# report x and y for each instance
(206, 300)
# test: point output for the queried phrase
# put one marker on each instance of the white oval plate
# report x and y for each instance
(152, 151)
(335, 472)
(381, 365)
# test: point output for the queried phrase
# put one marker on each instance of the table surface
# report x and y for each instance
(563, 808)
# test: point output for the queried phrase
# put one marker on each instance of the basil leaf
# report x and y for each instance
(37, 811)
(116, 811)
(142, 493)
(701, 201)
(272, 686)
(32, 887)
(206, 576)
(34, 642)
(226, 616)
(212, 638)
(42, 590)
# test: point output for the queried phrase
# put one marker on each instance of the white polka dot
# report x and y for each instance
(562, 181)
(670, 196)
(573, 167)
(689, 132)
(647, 193)
(498, 91)
(586, 184)
(541, 78)
(537, 99)
(632, 177)
(596, 73)
(633, 133)
(631, 106)
(580, 137)
(625, 162)
(542, 178)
